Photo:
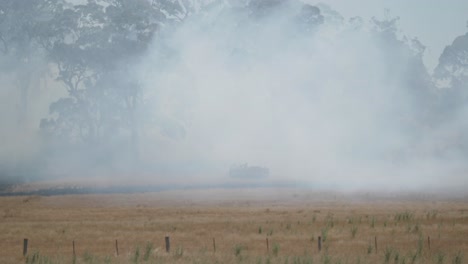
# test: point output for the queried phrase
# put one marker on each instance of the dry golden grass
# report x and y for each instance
(239, 220)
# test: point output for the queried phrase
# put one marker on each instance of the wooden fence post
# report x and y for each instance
(25, 247)
(73, 244)
(214, 245)
(429, 242)
(168, 244)
(116, 247)
(320, 243)
(375, 243)
(268, 246)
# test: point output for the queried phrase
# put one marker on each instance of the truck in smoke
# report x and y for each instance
(244, 171)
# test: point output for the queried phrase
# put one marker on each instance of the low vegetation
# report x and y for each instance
(231, 231)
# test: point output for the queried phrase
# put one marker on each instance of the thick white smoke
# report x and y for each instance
(318, 100)
(329, 105)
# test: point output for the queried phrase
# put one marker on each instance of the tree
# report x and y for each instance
(403, 58)
(309, 17)
(92, 48)
(20, 24)
(452, 72)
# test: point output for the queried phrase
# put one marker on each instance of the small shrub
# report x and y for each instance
(36, 258)
(440, 258)
(296, 260)
(324, 234)
(432, 214)
(329, 220)
(238, 250)
(259, 260)
(136, 256)
(404, 216)
(388, 254)
(396, 257)
(179, 252)
(414, 257)
(148, 250)
(276, 249)
(369, 249)
(353, 231)
(326, 259)
(88, 258)
(403, 260)
(420, 246)
(458, 258)
(260, 230)
(107, 260)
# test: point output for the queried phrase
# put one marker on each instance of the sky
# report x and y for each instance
(434, 22)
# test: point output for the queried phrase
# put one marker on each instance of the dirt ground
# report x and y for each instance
(233, 226)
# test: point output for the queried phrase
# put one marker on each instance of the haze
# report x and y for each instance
(180, 92)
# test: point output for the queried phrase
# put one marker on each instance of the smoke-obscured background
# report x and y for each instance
(184, 92)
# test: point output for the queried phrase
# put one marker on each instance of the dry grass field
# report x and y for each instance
(239, 221)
